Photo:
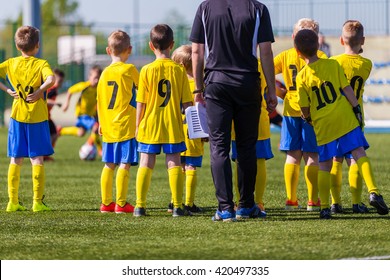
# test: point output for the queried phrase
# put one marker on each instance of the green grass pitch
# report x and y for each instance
(76, 230)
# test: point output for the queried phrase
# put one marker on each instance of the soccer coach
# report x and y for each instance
(228, 33)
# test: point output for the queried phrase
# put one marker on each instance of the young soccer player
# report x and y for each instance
(52, 94)
(357, 70)
(163, 88)
(192, 157)
(28, 135)
(85, 108)
(325, 98)
(117, 111)
(297, 137)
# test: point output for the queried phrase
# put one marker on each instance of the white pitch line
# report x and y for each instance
(370, 258)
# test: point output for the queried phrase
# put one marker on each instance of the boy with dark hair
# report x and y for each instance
(28, 135)
(325, 96)
(163, 89)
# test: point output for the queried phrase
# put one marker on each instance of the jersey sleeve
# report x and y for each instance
(3, 69)
(278, 63)
(79, 87)
(303, 92)
(265, 33)
(197, 32)
(46, 71)
(142, 94)
(321, 54)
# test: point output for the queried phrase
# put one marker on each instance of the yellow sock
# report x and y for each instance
(144, 176)
(38, 178)
(122, 183)
(191, 181)
(324, 188)
(291, 177)
(106, 185)
(13, 183)
(365, 170)
(175, 176)
(336, 175)
(311, 178)
(261, 179)
(236, 194)
(71, 130)
(355, 183)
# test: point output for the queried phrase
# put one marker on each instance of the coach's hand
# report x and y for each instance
(272, 102)
(199, 97)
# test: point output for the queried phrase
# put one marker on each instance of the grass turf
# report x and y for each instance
(76, 230)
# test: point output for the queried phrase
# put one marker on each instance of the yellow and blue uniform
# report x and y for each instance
(194, 153)
(295, 133)
(320, 87)
(163, 87)
(28, 133)
(116, 93)
(86, 105)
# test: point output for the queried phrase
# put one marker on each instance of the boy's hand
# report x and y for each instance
(65, 106)
(35, 96)
(100, 131)
(358, 114)
(13, 93)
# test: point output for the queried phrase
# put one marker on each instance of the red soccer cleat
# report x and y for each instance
(127, 208)
(107, 208)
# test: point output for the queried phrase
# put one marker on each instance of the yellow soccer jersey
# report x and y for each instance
(289, 64)
(320, 87)
(163, 87)
(86, 105)
(264, 125)
(357, 69)
(194, 146)
(26, 75)
(116, 94)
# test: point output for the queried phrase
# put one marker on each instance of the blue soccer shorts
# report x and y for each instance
(121, 152)
(85, 122)
(297, 134)
(29, 139)
(156, 148)
(263, 149)
(193, 161)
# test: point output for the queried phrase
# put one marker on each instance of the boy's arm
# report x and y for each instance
(36, 95)
(306, 114)
(267, 63)
(140, 115)
(350, 95)
(66, 104)
(3, 87)
(197, 68)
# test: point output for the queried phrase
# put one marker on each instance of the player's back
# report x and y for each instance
(289, 64)
(357, 69)
(116, 94)
(26, 75)
(163, 88)
(321, 84)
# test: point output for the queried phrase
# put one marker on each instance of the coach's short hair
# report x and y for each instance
(182, 55)
(118, 42)
(353, 33)
(306, 23)
(306, 42)
(161, 36)
(26, 38)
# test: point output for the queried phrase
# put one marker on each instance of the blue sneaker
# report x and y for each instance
(360, 208)
(254, 212)
(224, 215)
(325, 214)
(379, 204)
(139, 212)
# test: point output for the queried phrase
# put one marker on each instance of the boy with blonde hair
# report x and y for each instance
(325, 97)
(357, 70)
(28, 135)
(116, 93)
(297, 137)
(163, 89)
(192, 157)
